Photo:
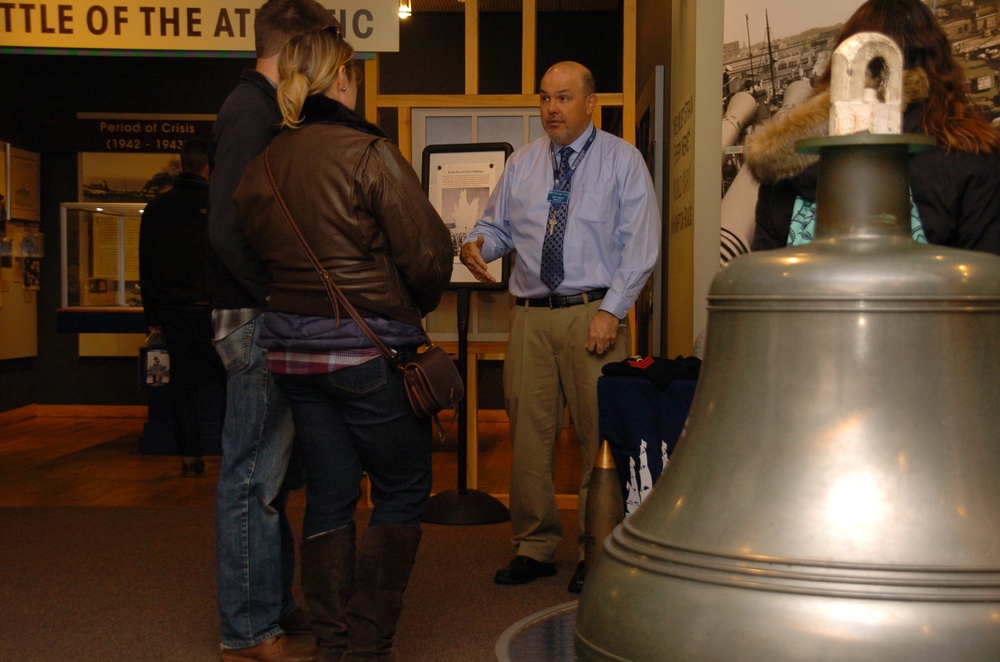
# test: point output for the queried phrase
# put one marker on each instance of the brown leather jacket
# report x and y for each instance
(360, 206)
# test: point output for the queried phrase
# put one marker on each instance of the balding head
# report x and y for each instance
(570, 68)
(567, 101)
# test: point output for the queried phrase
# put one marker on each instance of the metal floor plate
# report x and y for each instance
(545, 636)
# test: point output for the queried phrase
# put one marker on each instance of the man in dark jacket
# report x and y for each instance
(173, 250)
(255, 549)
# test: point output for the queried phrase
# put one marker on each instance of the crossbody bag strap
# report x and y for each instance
(332, 290)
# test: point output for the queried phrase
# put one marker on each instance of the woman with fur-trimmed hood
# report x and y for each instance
(954, 186)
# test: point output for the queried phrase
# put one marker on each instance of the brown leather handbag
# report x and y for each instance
(432, 381)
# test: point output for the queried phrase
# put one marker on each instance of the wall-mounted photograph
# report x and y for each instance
(31, 269)
(23, 175)
(125, 177)
(4, 187)
(774, 52)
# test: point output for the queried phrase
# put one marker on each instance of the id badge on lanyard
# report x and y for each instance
(557, 200)
(558, 197)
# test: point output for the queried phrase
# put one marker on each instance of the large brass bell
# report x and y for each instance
(835, 494)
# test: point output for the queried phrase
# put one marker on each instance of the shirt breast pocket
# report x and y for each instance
(591, 231)
(597, 204)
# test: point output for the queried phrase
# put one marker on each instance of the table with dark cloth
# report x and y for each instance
(641, 422)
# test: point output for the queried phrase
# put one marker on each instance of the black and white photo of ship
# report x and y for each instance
(775, 50)
(129, 189)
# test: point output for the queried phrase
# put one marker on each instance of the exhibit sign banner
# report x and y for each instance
(176, 25)
(127, 132)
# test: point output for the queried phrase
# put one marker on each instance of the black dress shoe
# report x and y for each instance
(576, 582)
(524, 569)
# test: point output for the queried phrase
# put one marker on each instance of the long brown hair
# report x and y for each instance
(949, 115)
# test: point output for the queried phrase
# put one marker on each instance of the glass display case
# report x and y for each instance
(100, 255)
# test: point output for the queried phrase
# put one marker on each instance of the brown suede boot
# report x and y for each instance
(385, 560)
(327, 582)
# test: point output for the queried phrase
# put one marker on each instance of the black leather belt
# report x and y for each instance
(557, 301)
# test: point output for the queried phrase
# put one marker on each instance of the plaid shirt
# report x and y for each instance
(313, 363)
(225, 321)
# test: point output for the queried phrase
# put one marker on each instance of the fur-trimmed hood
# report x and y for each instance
(770, 150)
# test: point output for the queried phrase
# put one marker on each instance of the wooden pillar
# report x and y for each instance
(472, 46)
(529, 28)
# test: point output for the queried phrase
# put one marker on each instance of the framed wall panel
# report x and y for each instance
(24, 185)
(444, 126)
(4, 183)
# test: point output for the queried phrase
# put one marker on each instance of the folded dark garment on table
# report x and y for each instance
(659, 370)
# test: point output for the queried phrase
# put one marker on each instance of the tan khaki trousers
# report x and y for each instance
(547, 366)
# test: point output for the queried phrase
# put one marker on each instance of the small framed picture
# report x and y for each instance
(4, 185)
(32, 273)
(24, 187)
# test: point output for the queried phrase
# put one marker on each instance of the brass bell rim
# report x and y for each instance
(916, 306)
(805, 577)
(970, 299)
(906, 271)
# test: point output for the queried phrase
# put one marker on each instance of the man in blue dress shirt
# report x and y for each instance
(586, 228)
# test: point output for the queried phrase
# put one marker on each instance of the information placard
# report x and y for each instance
(458, 180)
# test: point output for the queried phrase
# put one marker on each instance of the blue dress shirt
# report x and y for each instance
(613, 224)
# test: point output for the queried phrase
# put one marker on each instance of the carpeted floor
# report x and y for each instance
(138, 584)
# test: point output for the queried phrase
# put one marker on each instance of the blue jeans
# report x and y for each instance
(255, 552)
(353, 420)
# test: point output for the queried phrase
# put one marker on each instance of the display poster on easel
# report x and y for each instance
(458, 180)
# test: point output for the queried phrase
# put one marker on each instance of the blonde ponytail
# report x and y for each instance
(292, 93)
(308, 66)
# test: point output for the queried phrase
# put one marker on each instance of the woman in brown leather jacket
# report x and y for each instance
(361, 209)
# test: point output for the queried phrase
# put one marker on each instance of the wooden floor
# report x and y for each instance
(94, 461)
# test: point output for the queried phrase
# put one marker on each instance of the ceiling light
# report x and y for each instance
(405, 8)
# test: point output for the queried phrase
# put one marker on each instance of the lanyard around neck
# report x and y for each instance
(576, 162)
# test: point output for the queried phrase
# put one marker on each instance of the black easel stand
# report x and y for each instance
(464, 506)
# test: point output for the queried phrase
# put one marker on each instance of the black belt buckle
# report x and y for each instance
(565, 301)
(554, 301)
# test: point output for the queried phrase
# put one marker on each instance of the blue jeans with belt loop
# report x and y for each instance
(355, 420)
(255, 552)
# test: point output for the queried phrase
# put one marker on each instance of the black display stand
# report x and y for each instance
(462, 505)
